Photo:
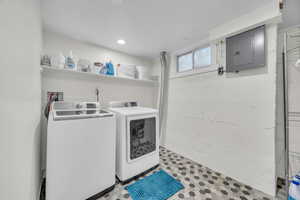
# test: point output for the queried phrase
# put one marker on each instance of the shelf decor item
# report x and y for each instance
(46, 60)
(84, 65)
(110, 68)
(127, 71)
(97, 67)
(58, 61)
(70, 62)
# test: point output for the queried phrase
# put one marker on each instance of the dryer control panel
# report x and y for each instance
(120, 104)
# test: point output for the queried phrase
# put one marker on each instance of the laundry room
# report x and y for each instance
(150, 100)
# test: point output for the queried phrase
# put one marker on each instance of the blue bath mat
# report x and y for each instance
(158, 186)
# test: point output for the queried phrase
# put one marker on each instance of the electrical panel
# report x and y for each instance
(246, 50)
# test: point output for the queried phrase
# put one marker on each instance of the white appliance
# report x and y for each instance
(80, 151)
(137, 139)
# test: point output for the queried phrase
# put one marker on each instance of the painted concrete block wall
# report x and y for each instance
(156, 67)
(84, 89)
(156, 72)
(291, 14)
(20, 99)
(55, 43)
(227, 122)
(279, 136)
(78, 88)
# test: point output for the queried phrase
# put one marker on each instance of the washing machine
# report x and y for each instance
(137, 144)
(80, 151)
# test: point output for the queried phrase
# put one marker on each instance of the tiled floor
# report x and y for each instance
(200, 182)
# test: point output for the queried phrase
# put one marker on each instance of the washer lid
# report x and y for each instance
(133, 110)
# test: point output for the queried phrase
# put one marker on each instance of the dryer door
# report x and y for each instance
(141, 136)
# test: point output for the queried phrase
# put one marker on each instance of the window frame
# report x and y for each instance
(194, 68)
(204, 66)
(184, 54)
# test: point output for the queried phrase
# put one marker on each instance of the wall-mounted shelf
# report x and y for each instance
(55, 72)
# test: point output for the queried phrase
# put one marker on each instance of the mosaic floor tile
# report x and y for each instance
(200, 182)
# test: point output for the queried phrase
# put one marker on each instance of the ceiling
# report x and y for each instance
(148, 26)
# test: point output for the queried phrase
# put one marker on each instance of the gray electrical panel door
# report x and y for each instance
(246, 50)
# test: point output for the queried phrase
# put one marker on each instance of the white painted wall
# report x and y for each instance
(20, 99)
(156, 72)
(266, 14)
(83, 89)
(78, 88)
(291, 14)
(279, 136)
(55, 43)
(227, 122)
(156, 67)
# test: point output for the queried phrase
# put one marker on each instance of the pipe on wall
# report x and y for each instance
(163, 93)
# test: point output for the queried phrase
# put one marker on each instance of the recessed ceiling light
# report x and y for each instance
(122, 42)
